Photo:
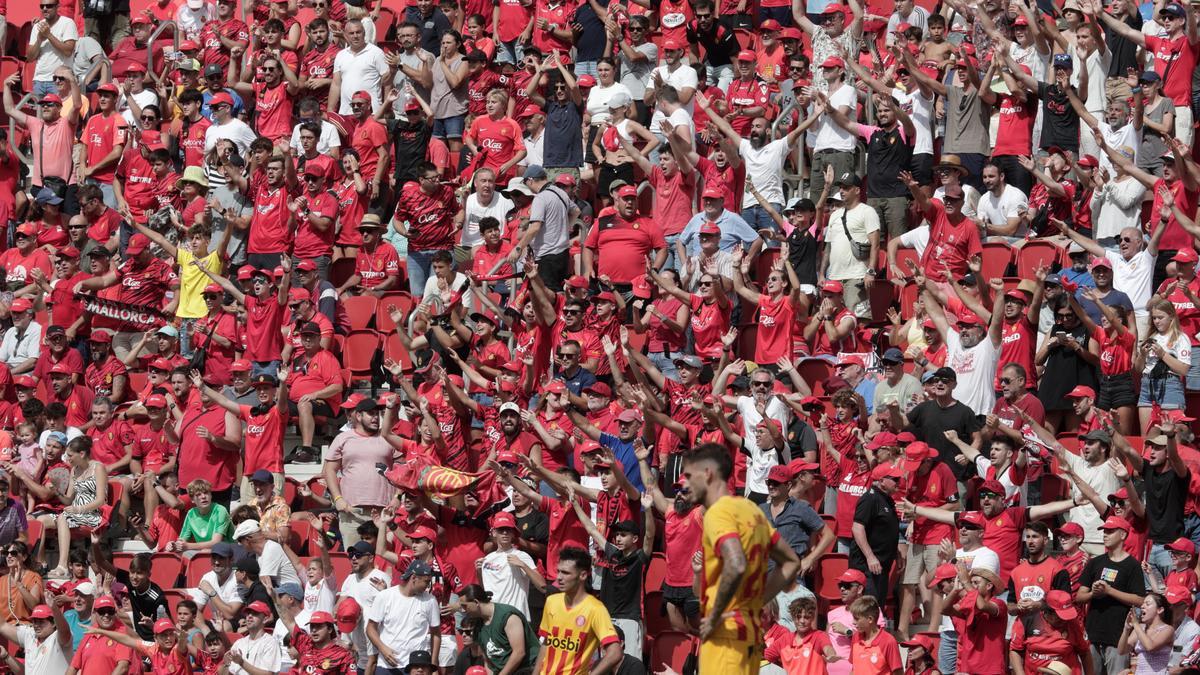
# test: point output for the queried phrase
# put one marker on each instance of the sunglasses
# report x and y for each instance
(567, 355)
(1127, 239)
(106, 612)
(705, 283)
(988, 495)
(56, 78)
(760, 384)
(845, 585)
(1006, 380)
(148, 118)
(938, 380)
(968, 526)
(572, 311)
(48, 6)
(1064, 315)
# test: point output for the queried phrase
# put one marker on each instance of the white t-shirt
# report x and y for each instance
(403, 622)
(262, 652)
(235, 130)
(1181, 350)
(228, 591)
(1118, 206)
(507, 584)
(364, 593)
(684, 77)
(916, 239)
(1127, 135)
(45, 657)
(50, 59)
(144, 98)
(475, 212)
(1102, 479)
(598, 99)
(920, 108)
(1133, 277)
(995, 210)
(764, 170)
(976, 370)
(274, 563)
(362, 71)
(533, 150)
(829, 134)
(1097, 73)
(318, 598)
(918, 18)
(970, 199)
(759, 462)
(861, 220)
(328, 139)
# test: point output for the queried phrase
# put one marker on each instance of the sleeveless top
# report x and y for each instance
(444, 101)
(85, 493)
(1154, 662)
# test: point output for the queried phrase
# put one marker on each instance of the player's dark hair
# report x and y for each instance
(717, 454)
(367, 530)
(577, 557)
(140, 563)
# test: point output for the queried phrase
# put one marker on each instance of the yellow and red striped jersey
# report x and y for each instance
(742, 519)
(571, 635)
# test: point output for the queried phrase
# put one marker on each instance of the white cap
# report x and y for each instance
(195, 4)
(1075, 248)
(246, 528)
(510, 406)
(619, 100)
(85, 588)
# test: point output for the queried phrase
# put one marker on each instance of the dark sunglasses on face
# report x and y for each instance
(760, 384)
(567, 355)
(845, 586)
(1006, 380)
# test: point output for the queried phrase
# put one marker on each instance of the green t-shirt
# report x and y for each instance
(198, 527)
(495, 641)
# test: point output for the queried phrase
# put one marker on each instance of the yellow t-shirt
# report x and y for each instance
(572, 635)
(740, 518)
(192, 282)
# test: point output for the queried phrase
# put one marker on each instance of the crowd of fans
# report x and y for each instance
(440, 336)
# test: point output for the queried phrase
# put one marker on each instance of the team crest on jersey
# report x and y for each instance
(579, 621)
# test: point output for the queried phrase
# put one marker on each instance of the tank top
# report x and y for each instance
(495, 641)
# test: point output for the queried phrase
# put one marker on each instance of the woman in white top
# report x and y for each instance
(614, 162)
(1118, 202)
(607, 87)
(1164, 357)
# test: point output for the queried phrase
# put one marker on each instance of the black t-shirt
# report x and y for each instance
(1106, 615)
(930, 423)
(590, 44)
(621, 582)
(1061, 126)
(719, 42)
(1124, 51)
(889, 153)
(1165, 494)
(801, 438)
(803, 253)
(146, 603)
(432, 28)
(631, 666)
(876, 512)
(535, 527)
(410, 143)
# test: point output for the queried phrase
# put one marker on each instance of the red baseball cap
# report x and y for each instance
(1186, 255)
(361, 95)
(922, 641)
(1082, 391)
(780, 473)
(832, 287)
(627, 191)
(770, 25)
(713, 192)
(504, 519)
(20, 305)
(161, 364)
(220, 98)
(319, 618)
(1182, 545)
(135, 68)
(61, 368)
(348, 614)
(672, 44)
(106, 601)
(1116, 523)
(747, 55)
(1089, 161)
(851, 360)
(975, 518)
(137, 243)
(424, 532)
(833, 62)
(25, 381)
(163, 625)
(993, 486)
(969, 318)
(1062, 604)
(258, 607)
(42, 612)
(1070, 530)
(155, 401)
(886, 470)
(943, 572)
(853, 576)
(240, 366)
(915, 453)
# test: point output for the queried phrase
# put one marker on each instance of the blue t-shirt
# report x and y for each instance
(623, 451)
(78, 628)
(1114, 298)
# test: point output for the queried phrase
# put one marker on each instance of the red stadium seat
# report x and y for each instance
(814, 371)
(1034, 254)
(360, 349)
(341, 566)
(996, 257)
(762, 264)
(174, 596)
(383, 310)
(199, 565)
(395, 351)
(656, 572)
(655, 612)
(908, 298)
(33, 534)
(1054, 488)
(165, 569)
(882, 296)
(299, 532)
(829, 567)
(671, 649)
(360, 309)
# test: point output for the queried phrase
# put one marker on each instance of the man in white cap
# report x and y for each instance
(272, 561)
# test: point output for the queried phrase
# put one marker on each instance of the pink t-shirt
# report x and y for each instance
(52, 145)
(360, 482)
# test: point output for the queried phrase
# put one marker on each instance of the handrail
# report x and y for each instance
(87, 77)
(154, 38)
(12, 133)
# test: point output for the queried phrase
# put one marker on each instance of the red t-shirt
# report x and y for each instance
(514, 17)
(852, 485)
(271, 224)
(314, 373)
(981, 641)
(78, 402)
(101, 134)
(674, 196)
(351, 207)
(1188, 313)
(374, 267)
(683, 534)
(99, 377)
(565, 528)
(1175, 238)
(151, 447)
(775, 319)
(480, 84)
(1177, 81)
(561, 16)
(621, 247)
(498, 140)
(97, 655)
(264, 438)
(109, 444)
(674, 17)
(369, 139)
(934, 489)
(310, 242)
(880, 656)
(104, 226)
(272, 110)
(949, 243)
(146, 286)
(1016, 126)
(1002, 534)
(214, 52)
(17, 266)
(137, 182)
(191, 139)
(709, 323)
(1018, 343)
(430, 217)
(199, 457)
(745, 94)
(264, 341)
(1042, 644)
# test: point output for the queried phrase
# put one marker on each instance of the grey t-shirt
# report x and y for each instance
(1154, 146)
(86, 51)
(903, 392)
(634, 73)
(967, 118)
(552, 207)
(413, 60)
(242, 207)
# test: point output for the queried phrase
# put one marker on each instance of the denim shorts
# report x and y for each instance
(449, 127)
(1167, 392)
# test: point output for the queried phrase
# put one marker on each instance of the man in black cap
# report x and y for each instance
(214, 83)
(404, 622)
(896, 384)
(251, 588)
(356, 487)
(219, 586)
(941, 413)
(420, 662)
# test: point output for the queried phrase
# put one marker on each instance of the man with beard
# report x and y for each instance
(735, 587)
(266, 422)
(273, 94)
(1117, 128)
(77, 398)
(316, 68)
(106, 375)
(357, 489)
(764, 161)
(413, 65)
(425, 214)
(1133, 263)
(404, 621)
(144, 281)
(226, 34)
(370, 141)
(225, 125)
(940, 413)
(1037, 574)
